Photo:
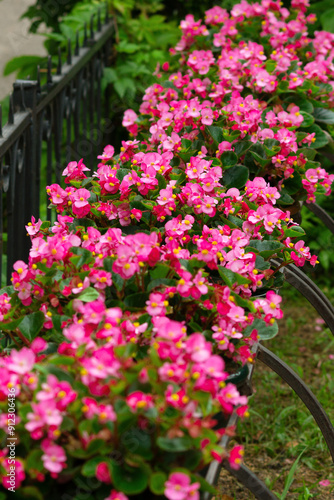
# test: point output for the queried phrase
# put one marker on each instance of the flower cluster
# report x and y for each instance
(140, 303)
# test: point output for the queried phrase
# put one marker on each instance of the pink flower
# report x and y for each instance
(129, 118)
(325, 483)
(139, 401)
(102, 473)
(179, 487)
(54, 456)
(236, 456)
(198, 348)
(80, 205)
(21, 361)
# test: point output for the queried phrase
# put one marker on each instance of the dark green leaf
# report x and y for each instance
(266, 248)
(129, 480)
(137, 300)
(160, 281)
(157, 483)
(308, 119)
(32, 324)
(241, 147)
(236, 176)
(159, 271)
(121, 173)
(228, 159)
(216, 133)
(174, 444)
(323, 115)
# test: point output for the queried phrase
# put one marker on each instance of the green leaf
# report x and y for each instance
(136, 300)
(323, 115)
(241, 147)
(309, 153)
(31, 492)
(157, 483)
(236, 176)
(85, 256)
(88, 294)
(293, 184)
(129, 480)
(62, 360)
(160, 281)
(216, 133)
(266, 248)
(138, 442)
(327, 20)
(264, 331)
(230, 277)
(175, 444)
(308, 119)
(159, 271)
(290, 478)
(121, 173)
(34, 460)
(294, 231)
(21, 62)
(263, 162)
(285, 198)
(261, 264)
(228, 159)
(32, 324)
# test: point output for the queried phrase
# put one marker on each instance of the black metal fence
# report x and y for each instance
(65, 119)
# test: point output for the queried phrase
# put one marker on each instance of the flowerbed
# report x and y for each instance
(121, 334)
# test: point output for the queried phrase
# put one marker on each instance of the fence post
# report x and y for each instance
(23, 194)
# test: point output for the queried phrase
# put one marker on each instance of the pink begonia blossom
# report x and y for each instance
(129, 118)
(236, 456)
(102, 473)
(179, 487)
(54, 456)
(22, 361)
(139, 401)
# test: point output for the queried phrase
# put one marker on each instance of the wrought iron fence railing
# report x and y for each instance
(48, 126)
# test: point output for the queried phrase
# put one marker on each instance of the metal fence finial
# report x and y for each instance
(92, 27)
(77, 44)
(49, 71)
(11, 110)
(99, 20)
(59, 64)
(69, 51)
(85, 35)
(23, 104)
